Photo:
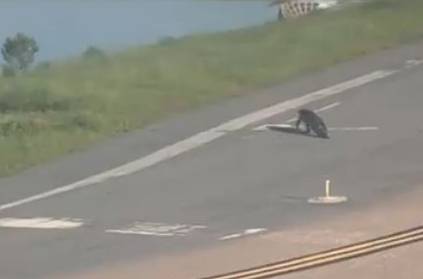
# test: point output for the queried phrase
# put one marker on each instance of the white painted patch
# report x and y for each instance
(243, 234)
(254, 231)
(202, 138)
(231, 236)
(262, 128)
(158, 229)
(353, 129)
(40, 223)
(266, 127)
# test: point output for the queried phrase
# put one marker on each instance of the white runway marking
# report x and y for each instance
(266, 126)
(202, 138)
(244, 233)
(231, 236)
(254, 231)
(158, 229)
(413, 63)
(328, 107)
(353, 129)
(40, 223)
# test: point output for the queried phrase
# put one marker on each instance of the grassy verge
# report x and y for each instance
(65, 106)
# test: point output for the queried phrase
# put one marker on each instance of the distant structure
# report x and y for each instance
(295, 8)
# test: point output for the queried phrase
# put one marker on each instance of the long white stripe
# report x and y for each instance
(251, 118)
(40, 223)
(202, 138)
(139, 233)
(353, 129)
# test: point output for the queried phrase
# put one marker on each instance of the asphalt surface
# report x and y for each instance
(245, 180)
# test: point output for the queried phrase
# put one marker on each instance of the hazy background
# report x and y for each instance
(66, 28)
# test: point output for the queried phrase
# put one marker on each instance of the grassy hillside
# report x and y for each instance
(65, 106)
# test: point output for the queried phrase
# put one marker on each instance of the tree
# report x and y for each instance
(19, 51)
(94, 53)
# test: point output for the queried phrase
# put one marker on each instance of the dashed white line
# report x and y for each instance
(254, 231)
(247, 232)
(40, 223)
(231, 236)
(157, 229)
(353, 129)
(202, 138)
(139, 232)
(413, 63)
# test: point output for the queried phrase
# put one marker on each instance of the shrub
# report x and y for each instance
(44, 66)
(167, 40)
(38, 99)
(94, 53)
(84, 120)
(8, 71)
(20, 125)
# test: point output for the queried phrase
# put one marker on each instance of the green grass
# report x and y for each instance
(68, 105)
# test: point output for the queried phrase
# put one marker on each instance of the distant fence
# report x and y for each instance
(296, 8)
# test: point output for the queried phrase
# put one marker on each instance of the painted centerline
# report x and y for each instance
(157, 229)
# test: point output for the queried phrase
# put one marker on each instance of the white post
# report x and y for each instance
(327, 188)
(327, 199)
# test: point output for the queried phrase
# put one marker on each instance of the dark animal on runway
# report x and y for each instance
(312, 123)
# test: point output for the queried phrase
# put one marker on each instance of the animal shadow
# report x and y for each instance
(291, 130)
